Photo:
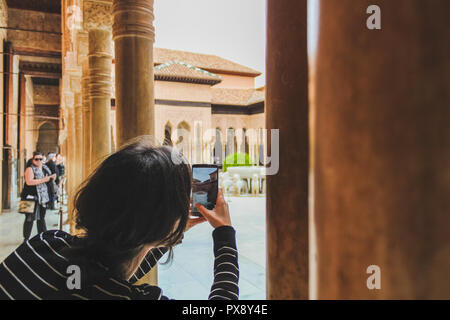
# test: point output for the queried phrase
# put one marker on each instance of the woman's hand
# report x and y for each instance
(193, 220)
(46, 179)
(220, 215)
(53, 176)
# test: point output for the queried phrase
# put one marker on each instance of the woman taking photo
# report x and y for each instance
(35, 188)
(129, 212)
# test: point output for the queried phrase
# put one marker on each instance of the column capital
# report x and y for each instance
(97, 15)
(133, 18)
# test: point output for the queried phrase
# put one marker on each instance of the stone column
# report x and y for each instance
(22, 128)
(100, 64)
(134, 34)
(287, 110)
(98, 23)
(86, 119)
(78, 139)
(68, 100)
(382, 148)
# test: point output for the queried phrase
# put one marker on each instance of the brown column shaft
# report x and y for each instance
(382, 170)
(133, 33)
(100, 64)
(287, 110)
(7, 151)
(22, 129)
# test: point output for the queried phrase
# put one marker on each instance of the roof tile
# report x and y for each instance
(236, 97)
(180, 71)
(207, 62)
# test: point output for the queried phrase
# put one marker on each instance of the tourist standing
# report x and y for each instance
(35, 188)
(61, 168)
(52, 184)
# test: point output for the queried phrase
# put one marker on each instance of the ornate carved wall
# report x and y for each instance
(33, 20)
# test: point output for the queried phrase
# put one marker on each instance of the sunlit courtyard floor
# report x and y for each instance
(11, 226)
(191, 273)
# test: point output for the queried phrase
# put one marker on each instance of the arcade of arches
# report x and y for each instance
(364, 126)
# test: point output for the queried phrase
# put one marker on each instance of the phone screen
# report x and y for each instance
(205, 184)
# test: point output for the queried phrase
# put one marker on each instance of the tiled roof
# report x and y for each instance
(183, 72)
(207, 62)
(236, 97)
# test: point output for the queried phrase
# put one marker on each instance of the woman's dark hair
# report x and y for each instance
(137, 196)
(30, 161)
(36, 153)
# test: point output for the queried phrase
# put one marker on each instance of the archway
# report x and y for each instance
(183, 139)
(47, 138)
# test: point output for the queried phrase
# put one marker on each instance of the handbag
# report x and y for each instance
(27, 206)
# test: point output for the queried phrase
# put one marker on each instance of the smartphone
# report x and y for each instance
(205, 185)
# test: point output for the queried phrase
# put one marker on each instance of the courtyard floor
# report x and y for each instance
(11, 226)
(190, 274)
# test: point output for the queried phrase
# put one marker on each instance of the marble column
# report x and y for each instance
(382, 175)
(100, 65)
(133, 35)
(86, 119)
(70, 164)
(287, 110)
(78, 122)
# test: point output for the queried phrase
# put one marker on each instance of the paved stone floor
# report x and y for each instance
(190, 274)
(11, 226)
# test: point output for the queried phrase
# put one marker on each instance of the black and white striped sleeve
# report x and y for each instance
(150, 260)
(226, 267)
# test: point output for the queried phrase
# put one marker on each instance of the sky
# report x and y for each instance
(202, 174)
(232, 29)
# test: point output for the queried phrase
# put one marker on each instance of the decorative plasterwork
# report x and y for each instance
(52, 70)
(74, 18)
(46, 95)
(3, 16)
(97, 15)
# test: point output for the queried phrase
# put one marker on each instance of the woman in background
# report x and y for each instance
(35, 188)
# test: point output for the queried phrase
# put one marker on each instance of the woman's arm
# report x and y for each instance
(31, 181)
(226, 270)
(226, 267)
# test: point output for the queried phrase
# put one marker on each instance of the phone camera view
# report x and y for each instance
(204, 187)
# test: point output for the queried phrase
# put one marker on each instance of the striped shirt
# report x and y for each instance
(37, 269)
